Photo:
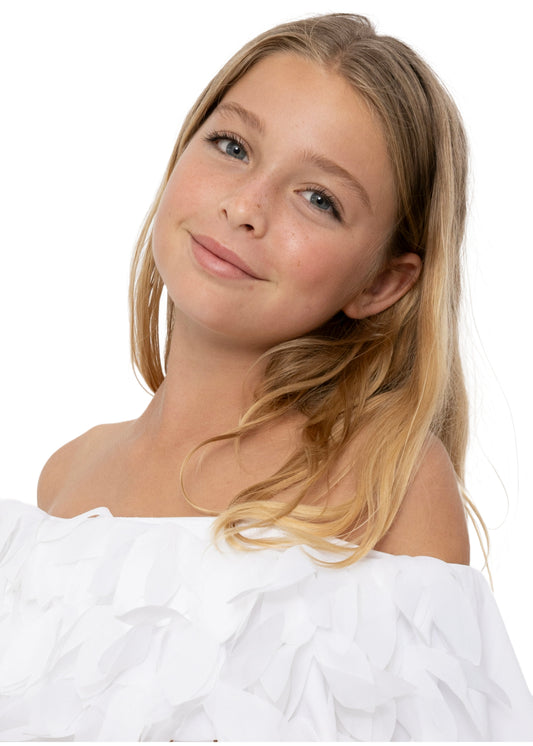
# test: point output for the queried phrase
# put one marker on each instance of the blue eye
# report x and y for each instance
(228, 144)
(232, 148)
(322, 201)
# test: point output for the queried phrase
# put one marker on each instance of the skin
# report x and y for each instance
(257, 178)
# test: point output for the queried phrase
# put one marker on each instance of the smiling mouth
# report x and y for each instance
(219, 260)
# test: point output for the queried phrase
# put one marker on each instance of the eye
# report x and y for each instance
(231, 147)
(322, 201)
(228, 145)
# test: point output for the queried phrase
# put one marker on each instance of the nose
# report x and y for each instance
(245, 208)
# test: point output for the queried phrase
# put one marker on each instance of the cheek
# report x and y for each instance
(186, 188)
(325, 266)
(181, 199)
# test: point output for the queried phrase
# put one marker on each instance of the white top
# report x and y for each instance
(142, 629)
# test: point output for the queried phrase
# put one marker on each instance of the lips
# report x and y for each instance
(219, 259)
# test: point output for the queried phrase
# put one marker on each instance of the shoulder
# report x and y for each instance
(432, 518)
(67, 461)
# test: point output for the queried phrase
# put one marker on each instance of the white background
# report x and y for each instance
(92, 97)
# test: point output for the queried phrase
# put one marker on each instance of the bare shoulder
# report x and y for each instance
(67, 461)
(432, 518)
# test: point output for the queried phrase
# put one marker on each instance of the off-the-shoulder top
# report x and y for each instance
(142, 629)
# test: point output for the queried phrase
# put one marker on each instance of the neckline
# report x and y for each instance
(161, 517)
(103, 511)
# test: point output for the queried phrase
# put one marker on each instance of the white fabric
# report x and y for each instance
(141, 629)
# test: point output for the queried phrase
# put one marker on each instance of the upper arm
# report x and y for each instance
(432, 519)
(59, 469)
(53, 476)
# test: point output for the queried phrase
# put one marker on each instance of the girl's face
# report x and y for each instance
(275, 216)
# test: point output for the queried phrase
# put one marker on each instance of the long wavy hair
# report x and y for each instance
(396, 376)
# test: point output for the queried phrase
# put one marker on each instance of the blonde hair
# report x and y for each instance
(396, 376)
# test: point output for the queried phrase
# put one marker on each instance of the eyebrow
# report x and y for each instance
(320, 161)
(325, 164)
(231, 107)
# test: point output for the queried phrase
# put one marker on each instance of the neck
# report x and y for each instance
(208, 386)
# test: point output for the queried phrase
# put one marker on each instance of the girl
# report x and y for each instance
(309, 403)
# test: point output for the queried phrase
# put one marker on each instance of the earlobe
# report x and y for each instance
(391, 284)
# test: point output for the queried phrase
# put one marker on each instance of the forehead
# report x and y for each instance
(283, 76)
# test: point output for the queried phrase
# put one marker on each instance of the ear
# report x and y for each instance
(391, 284)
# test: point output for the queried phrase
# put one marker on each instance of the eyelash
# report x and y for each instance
(335, 210)
(215, 136)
